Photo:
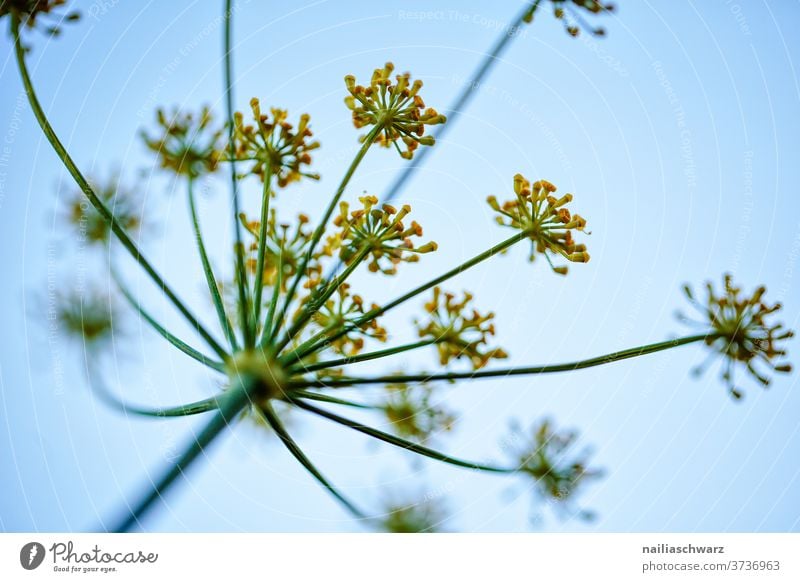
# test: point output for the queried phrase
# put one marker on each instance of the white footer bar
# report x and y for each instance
(401, 558)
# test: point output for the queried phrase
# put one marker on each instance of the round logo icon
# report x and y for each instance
(31, 555)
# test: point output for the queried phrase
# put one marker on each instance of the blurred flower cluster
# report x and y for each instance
(740, 332)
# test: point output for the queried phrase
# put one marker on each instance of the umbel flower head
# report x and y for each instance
(274, 145)
(188, 143)
(413, 414)
(459, 330)
(90, 225)
(89, 316)
(285, 245)
(546, 455)
(569, 12)
(395, 108)
(34, 13)
(342, 310)
(740, 332)
(545, 219)
(422, 517)
(379, 231)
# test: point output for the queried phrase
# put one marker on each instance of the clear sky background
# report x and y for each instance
(678, 133)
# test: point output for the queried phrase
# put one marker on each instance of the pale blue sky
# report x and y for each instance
(677, 134)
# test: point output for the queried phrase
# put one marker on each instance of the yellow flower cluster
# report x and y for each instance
(341, 310)
(413, 413)
(546, 456)
(459, 331)
(394, 107)
(274, 145)
(545, 219)
(285, 247)
(739, 331)
(380, 232)
(188, 144)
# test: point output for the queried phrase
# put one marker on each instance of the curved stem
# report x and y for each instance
(402, 443)
(98, 204)
(231, 403)
(248, 327)
(521, 371)
(112, 401)
(162, 331)
(297, 453)
(320, 230)
(209, 272)
(303, 369)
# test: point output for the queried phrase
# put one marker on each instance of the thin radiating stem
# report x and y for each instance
(333, 400)
(161, 330)
(317, 302)
(321, 338)
(262, 247)
(276, 295)
(297, 453)
(402, 443)
(111, 400)
(98, 204)
(518, 371)
(306, 368)
(211, 280)
(320, 230)
(230, 404)
(248, 327)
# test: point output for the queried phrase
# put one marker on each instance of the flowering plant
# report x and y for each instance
(291, 328)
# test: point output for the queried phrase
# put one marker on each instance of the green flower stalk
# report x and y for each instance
(119, 232)
(277, 151)
(298, 332)
(284, 246)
